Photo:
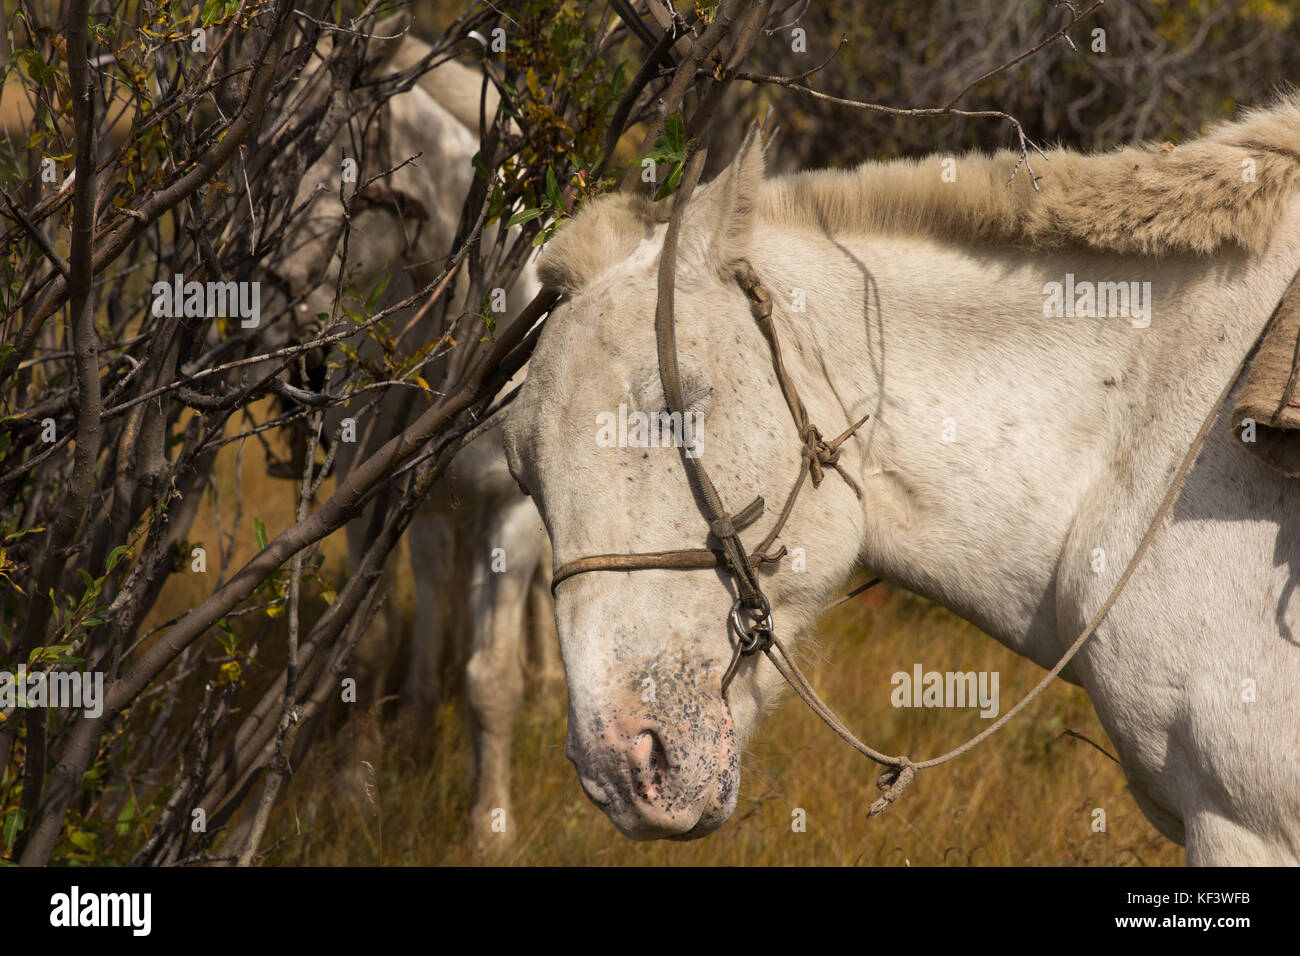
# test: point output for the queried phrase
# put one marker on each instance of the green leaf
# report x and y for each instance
(36, 139)
(125, 817)
(13, 823)
(54, 652)
(259, 533)
(553, 191)
(373, 298)
(618, 83)
(116, 555)
(217, 11)
(40, 71)
(528, 215)
(675, 130)
(671, 182)
(496, 205)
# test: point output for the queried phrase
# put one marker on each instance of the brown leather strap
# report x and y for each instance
(688, 560)
(720, 522)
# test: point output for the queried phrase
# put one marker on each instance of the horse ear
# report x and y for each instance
(386, 38)
(724, 209)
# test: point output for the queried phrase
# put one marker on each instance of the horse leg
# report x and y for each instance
(494, 677)
(545, 642)
(430, 539)
(1214, 839)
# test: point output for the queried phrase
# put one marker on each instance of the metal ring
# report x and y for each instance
(751, 637)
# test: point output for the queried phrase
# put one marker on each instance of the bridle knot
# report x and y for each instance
(820, 453)
(892, 782)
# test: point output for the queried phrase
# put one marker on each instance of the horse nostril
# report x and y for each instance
(648, 762)
(644, 747)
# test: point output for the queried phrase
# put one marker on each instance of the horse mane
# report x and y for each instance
(1225, 188)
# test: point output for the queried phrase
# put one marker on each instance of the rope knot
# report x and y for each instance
(893, 782)
(820, 453)
(823, 454)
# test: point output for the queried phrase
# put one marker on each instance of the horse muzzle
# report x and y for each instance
(656, 777)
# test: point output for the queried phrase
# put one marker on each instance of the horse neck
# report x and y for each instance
(992, 425)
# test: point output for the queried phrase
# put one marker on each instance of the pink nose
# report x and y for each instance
(645, 764)
(649, 788)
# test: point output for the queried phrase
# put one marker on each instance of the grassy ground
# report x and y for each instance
(1025, 797)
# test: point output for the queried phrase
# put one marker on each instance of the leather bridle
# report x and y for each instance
(816, 455)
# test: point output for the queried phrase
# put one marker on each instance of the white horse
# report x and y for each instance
(479, 557)
(1007, 451)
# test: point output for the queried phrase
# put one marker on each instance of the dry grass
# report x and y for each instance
(1026, 797)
